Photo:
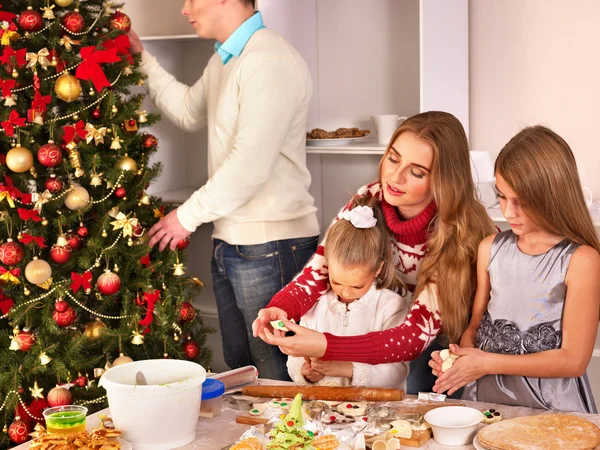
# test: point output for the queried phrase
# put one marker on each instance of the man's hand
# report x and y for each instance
(136, 43)
(167, 231)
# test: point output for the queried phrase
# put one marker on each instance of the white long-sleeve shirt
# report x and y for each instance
(378, 310)
(256, 109)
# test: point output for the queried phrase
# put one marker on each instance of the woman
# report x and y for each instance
(436, 223)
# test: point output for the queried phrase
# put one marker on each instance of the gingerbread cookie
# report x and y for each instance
(491, 416)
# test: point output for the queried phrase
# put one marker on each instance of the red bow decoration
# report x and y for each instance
(7, 87)
(41, 102)
(18, 54)
(29, 214)
(145, 260)
(10, 275)
(13, 121)
(122, 44)
(73, 132)
(28, 239)
(7, 16)
(8, 186)
(81, 281)
(5, 303)
(90, 68)
(60, 64)
(151, 299)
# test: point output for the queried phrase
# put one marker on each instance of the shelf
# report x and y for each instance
(370, 147)
(496, 216)
(177, 37)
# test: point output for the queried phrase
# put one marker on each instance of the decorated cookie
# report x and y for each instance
(448, 359)
(281, 403)
(491, 416)
(352, 409)
(334, 417)
(401, 429)
(258, 409)
(278, 325)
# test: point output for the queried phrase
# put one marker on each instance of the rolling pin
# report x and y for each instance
(331, 393)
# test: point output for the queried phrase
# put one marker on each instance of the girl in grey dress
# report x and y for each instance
(536, 309)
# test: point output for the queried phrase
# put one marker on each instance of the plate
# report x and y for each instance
(125, 445)
(477, 444)
(334, 142)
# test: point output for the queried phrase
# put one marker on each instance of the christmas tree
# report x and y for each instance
(80, 288)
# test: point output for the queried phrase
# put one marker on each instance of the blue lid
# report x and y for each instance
(212, 389)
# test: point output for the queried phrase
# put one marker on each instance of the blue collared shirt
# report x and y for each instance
(235, 43)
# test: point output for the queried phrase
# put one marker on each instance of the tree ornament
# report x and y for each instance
(104, 233)
(50, 154)
(18, 431)
(36, 391)
(120, 192)
(122, 359)
(187, 313)
(44, 222)
(77, 199)
(67, 87)
(60, 305)
(191, 349)
(95, 179)
(81, 380)
(137, 338)
(26, 292)
(96, 114)
(65, 318)
(144, 199)
(19, 159)
(92, 92)
(63, 3)
(82, 231)
(120, 21)
(44, 359)
(116, 143)
(108, 283)
(130, 127)
(126, 163)
(183, 244)
(11, 253)
(143, 116)
(38, 271)
(149, 142)
(178, 269)
(116, 268)
(93, 330)
(73, 21)
(59, 396)
(26, 339)
(114, 109)
(61, 254)
(31, 20)
(75, 159)
(54, 184)
(74, 241)
(15, 73)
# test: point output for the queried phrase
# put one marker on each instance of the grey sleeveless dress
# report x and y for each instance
(524, 315)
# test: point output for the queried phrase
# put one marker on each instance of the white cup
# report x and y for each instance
(386, 124)
(588, 196)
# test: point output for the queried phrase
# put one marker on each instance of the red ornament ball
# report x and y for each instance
(74, 241)
(26, 339)
(54, 184)
(59, 396)
(73, 21)
(50, 155)
(11, 253)
(120, 21)
(64, 318)
(108, 283)
(18, 432)
(120, 192)
(31, 21)
(61, 306)
(36, 408)
(183, 244)
(96, 114)
(60, 254)
(191, 350)
(83, 231)
(138, 231)
(187, 313)
(149, 141)
(81, 381)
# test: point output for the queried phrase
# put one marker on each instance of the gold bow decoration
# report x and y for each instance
(48, 13)
(10, 275)
(9, 34)
(95, 134)
(68, 43)
(41, 199)
(125, 223)
(5, 195)
(40, 58)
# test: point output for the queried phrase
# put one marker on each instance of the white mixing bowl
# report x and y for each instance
(162, 414)
(454, 425)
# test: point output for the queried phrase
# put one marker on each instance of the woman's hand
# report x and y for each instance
(436, 363)
(265, 316)
(309, 373)
(470, 367)
(136, 43)
(332, 368)
(305, 342)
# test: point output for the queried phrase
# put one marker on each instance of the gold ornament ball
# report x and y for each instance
(64, 3)
(122, 359)
(67, 87)
(38, 271)
(77, 199)
(19, 159)
(127, 163)
(94, 330)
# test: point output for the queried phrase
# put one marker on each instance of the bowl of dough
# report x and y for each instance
(454, 425)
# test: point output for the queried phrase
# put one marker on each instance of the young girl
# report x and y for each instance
(361, 272)
(536, 309)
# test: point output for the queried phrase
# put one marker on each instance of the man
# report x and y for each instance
(254, 96)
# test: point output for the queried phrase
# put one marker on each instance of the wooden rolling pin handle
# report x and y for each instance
(249, 420)
(332, 393)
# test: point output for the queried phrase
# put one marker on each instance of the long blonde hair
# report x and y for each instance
(539, 166)
(461, 223)
(364, 247)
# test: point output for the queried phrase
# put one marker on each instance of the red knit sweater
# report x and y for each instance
(422, 324)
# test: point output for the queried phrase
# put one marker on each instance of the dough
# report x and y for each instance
(448, 359)
(401, 429)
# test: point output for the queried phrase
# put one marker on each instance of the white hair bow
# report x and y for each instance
(360, 217)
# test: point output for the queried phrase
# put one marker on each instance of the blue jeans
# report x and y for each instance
(245, 278)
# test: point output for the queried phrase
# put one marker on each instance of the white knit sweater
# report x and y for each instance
(378, 310)
(256, 110)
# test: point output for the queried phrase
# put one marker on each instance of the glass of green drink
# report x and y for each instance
(65, 419)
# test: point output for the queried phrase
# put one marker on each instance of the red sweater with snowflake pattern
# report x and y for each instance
(422, 324)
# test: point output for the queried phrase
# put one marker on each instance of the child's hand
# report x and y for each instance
(466, 369)
(467, 340)
(436, 363)
(332, 368)
(311, 375)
